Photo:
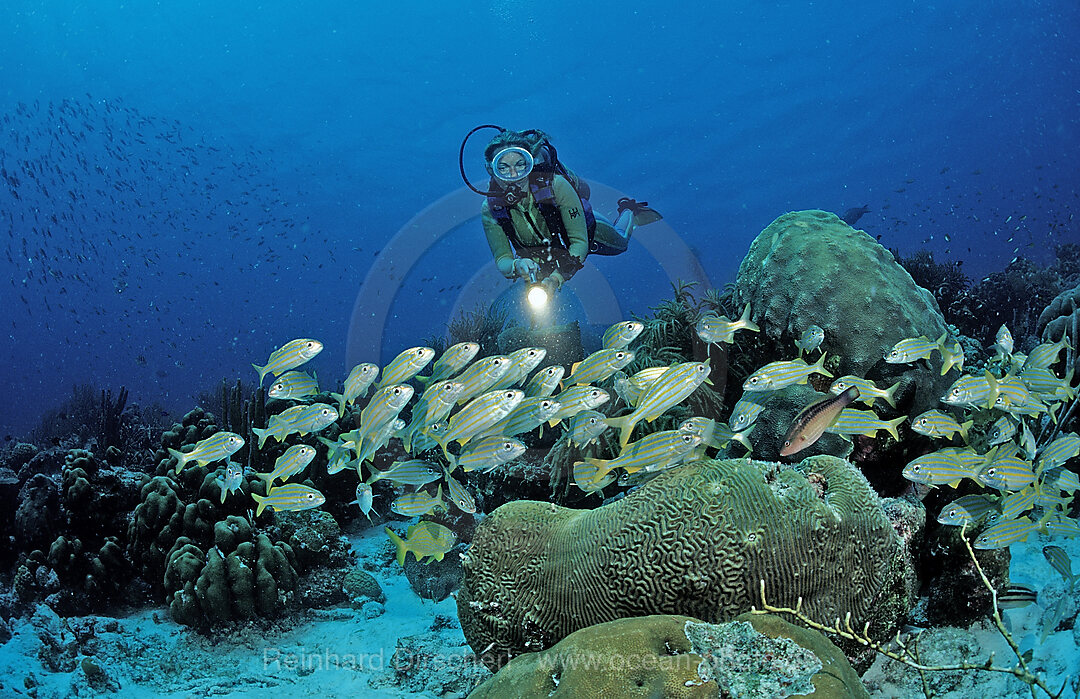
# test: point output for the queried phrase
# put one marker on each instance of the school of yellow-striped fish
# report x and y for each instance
(473, 411)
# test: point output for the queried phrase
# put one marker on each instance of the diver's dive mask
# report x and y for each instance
(512, 164)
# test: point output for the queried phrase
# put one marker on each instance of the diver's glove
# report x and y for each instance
(553, 282)
(526, 268)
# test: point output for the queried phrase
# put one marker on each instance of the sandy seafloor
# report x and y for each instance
(149, 655)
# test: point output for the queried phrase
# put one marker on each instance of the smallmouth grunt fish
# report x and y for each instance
(426, 540)
(912, 349)
(377, 440)
(620, 335)
(777, 375)
(598, 366)
(968, 509)
(382, 409)
(418, 503)
(357, 383)
(458, 494)
(1046, 354)
(295, 459)
(1047, 384)
(529, 414)
(632, 388)
(454, 359)
(868, 390)
(412, 472)
(586, 427)
(1003, 341)
(302, 419)
(575, 399)
(405, 366)
(338, 454)
(585, 477)
(364, 499)
(810, 340)
(1059, 451)
(972, 391)
(1003, 430)
(522, 362)
(478, 415)
(934, 423)
(488, 453)
(939, 468)
(714, 329)
(289, 356)
(1003, 471)
(810, 422)
(230, 483)
(952, 355)
(435, 404)
(717, 435)
(220, 445)
(545, 381)
(1017, 503)
(481, 375)
(851, 422)
(654, 452)
(1005, 532)
(290, 496)
(746, 411)
(673, 386)
(292, 385)
(1059, 560)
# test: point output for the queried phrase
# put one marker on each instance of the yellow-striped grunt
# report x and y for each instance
(405, 366)
(220, 445)
(952, 355)
(972, 391)
(746, 411)
(968, 509)
(851, 421)
(934, 423)
(481, 376)
(290, 496)
(868, 390)
(586, 427)
(292, 385)
(545, 381)
(488, 453)
(653, 452)
(716, 329)
(289, 356)
(912, 349)
(1004, 532)
(357, 384)
(295, 459)
(301, 419)
(598, 366)
(458, 494)
(450, 362)
(1059, 560)
(529, 414)
(522, 362)
(478, 415)
(673, 386)
(810, 340)
(575, 399)
(412, 472)
(418, 503)
(1004, 471)
(426, 540)
(777, 375)
(620, 335)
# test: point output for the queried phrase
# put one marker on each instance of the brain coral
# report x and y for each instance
(810, 268)
(676, 656)
(695, 540)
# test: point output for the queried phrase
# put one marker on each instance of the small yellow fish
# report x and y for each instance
(289, 356)
(810, 340)
(620, 335)
(716, 329)
(426, 540)
(868, 390)
(777, 375)
(291, 496)
(220, 445)
(912, 349)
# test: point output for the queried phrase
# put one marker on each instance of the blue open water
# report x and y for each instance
(188, 185)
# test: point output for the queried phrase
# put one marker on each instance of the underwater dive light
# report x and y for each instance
(537, 296)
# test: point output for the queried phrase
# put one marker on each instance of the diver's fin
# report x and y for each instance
(642, 213)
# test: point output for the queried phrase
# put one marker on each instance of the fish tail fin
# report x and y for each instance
(819, 367)
(592, 472)
(181, 459)
(425, 380)
(262, 434)
(262, 370)
(748, 324)
(261, 499)
(940, 342)
(890, 394)
(402, 547)
(964, 427)
(221, 484)
(947, 359)
(992, 382)
(891, 425)
(267, 478)
(626, 427)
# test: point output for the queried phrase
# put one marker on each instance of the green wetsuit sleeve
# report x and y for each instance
(500, 246)
(573, 217)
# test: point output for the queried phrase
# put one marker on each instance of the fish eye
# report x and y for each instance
(310, 344)
(916, 468)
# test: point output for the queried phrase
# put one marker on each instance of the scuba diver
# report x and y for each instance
(537, 217)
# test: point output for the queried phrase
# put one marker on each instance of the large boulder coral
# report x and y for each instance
(810, 268)
(677, 656)
(696, 540)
